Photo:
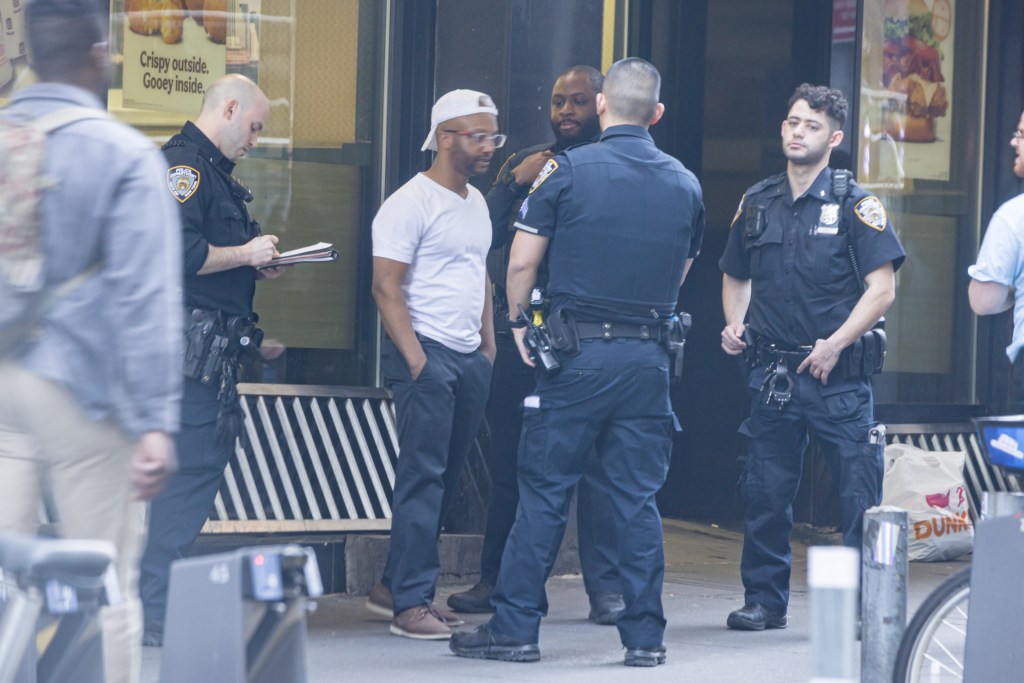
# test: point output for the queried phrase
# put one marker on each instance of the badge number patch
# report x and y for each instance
(548, 169)
(182, 181)
(871, 212)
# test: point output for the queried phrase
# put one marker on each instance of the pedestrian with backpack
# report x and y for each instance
(90, 310)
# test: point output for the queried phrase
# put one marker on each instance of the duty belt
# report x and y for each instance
(609, 330)
(778, 364)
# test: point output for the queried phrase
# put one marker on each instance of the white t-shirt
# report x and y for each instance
(444, 239)
(1001, 260)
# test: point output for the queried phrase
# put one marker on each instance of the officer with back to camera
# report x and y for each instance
(573, 115)
(620, 223)
(802, 309)
(223, 248)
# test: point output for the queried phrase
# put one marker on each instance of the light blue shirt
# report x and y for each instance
(1001, 260)
(114, 342)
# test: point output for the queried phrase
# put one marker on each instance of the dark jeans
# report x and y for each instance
(608, 408)
(513, 381)
(177, 515)
(841, 415)
(438, 415)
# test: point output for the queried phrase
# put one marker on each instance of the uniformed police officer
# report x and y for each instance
(223, 247)
(803, 310)
(574, 121)
(620, 223)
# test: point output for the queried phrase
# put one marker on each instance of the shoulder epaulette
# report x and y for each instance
(176, 141)
(770, 181)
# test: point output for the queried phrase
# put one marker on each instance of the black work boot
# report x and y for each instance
(476, 600)
(639, 656)
(755, 617)
(482, 643)
(605, 608)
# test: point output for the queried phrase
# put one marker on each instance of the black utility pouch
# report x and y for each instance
(564, 337)
(201, 330)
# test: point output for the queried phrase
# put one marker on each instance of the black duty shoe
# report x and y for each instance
(605, 608)
(152, 633)
(641, 657)
(476, 600)
(482, 643)
(755, 617)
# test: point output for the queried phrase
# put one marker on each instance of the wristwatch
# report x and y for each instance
(516, 324)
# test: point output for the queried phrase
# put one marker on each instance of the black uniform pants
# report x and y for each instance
(439, 415)
(513, 381)
(177, 515)
(841, 414)
(608, 408)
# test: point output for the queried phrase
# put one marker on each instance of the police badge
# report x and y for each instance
(828, 220)
(182, 181)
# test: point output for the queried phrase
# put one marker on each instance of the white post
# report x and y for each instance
(833, 575)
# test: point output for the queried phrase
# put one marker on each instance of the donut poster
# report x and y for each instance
(175, 49)
(906, 89)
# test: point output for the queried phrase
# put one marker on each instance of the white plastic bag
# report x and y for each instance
(929, 485)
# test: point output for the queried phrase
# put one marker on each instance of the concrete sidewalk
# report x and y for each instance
(702, 585)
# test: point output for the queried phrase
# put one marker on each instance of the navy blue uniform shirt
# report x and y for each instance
(199, 177)
(803, 286)
(623, 217)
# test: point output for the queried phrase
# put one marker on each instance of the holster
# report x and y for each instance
(866, 356)
(564, 337)
(205, 343)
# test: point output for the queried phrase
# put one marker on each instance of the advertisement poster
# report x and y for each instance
(906, 90)
(175, 49)
(12, 38)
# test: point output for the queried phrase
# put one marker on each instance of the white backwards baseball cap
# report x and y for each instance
(452, 105)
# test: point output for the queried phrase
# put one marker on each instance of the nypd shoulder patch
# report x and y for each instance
(871, 212)
(548, 169)
(739, 210)
(182, 181)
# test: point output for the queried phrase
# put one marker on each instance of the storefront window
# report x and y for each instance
(918, 147)
(314, 59)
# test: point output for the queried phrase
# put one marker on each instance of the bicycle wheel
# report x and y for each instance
(932, 649)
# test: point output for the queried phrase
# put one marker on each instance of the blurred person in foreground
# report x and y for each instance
(225, 253)
(999, 273)
(92, 396)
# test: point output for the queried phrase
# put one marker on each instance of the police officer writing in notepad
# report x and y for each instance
(801, 309)
(620, 223)
(223, 248)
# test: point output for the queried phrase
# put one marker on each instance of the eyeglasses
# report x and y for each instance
(1017, 134)
(496, 139)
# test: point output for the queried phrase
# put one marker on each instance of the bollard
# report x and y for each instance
(832, 573)
(884, 568)
(1001, 504)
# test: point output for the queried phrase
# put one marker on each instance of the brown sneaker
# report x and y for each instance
(447, 617)
(379, 601)
(420, 623)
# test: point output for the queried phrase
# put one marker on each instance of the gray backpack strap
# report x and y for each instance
(47, 123)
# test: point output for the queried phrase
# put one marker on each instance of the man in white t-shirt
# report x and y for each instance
(998, 277)
(430, 243)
